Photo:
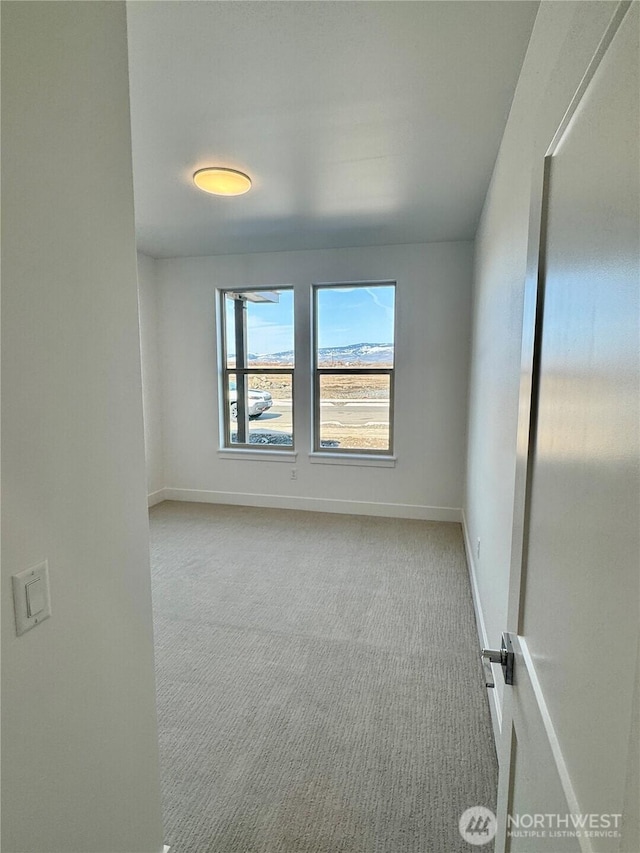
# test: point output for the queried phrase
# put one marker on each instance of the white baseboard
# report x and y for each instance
(387, 510)
(494, 705)
(156, 497)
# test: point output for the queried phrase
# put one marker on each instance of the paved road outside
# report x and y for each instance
(360, 413)
(362, 423)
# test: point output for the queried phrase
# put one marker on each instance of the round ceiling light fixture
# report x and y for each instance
(220, 181)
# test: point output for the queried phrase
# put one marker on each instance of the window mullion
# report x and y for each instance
(355, 371)
(240, 329)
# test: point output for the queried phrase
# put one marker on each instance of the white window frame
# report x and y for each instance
(241, 370)
(355, 453)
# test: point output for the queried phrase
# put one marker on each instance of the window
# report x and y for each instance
(257, 368)
(345, 371)
(354, 348)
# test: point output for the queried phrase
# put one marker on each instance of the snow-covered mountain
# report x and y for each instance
(372, 354)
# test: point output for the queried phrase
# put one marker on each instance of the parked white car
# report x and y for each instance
(259, 402)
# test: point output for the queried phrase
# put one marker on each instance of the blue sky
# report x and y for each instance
(346, 315)
(354, 315)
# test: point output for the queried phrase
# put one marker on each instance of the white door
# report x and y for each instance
(569, 753)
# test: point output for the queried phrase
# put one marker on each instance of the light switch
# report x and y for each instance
(35, 597)
(31, 600)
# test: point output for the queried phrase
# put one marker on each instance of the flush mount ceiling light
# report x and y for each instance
(219, 181)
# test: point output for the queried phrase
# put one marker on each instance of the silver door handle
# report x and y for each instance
(504, 656)
(488, 672)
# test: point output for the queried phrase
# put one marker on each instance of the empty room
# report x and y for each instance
(320, 426)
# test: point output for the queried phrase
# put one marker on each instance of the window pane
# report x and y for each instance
(354, 411)
(269, 408)
(269, 328)
(355, 326)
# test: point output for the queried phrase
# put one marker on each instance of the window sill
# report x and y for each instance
(362, 459)
(257, 455)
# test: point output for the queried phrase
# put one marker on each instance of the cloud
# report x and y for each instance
(388, 311)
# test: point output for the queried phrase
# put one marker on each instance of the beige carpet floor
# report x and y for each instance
(319, 684)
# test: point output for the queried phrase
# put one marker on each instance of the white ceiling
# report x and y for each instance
(360, 123)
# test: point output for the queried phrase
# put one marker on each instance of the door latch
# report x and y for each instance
(504, 656)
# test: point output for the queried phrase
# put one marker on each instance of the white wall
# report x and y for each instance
(563, 41)
(151, 374)
(79, 742)
(433, 305)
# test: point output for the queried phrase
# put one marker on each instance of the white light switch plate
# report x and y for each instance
(31, 595)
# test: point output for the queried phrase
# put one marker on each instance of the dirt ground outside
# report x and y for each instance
(366, 437)
(346, 387)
